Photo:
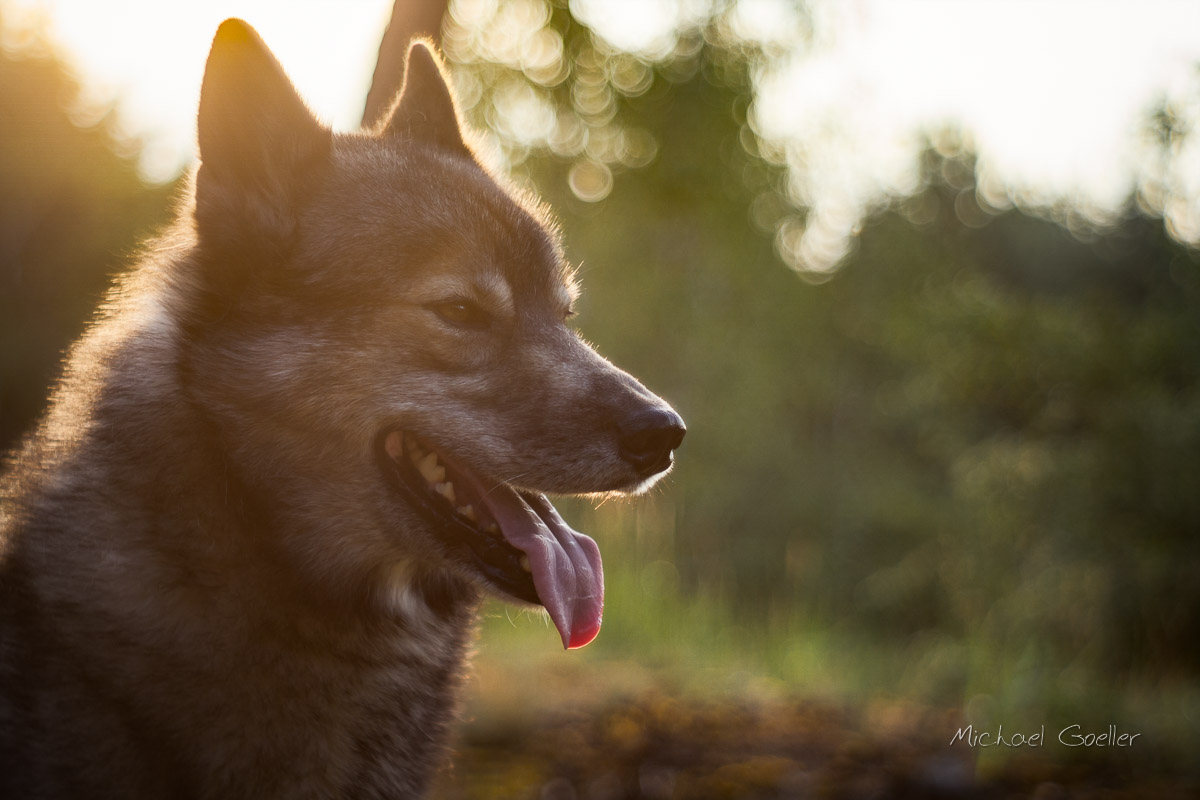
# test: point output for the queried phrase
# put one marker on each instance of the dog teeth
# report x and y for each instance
(446, 490)
(466, 511)
(492, 528)
(525, 564)
(431, 470)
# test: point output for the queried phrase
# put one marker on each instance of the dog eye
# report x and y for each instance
(462, 314)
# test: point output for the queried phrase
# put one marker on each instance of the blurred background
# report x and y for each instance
(921, 277)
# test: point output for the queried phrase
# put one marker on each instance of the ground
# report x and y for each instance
(656, 746)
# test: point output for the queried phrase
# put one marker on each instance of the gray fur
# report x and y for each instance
(206, 588)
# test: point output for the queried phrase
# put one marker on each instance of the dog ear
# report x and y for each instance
(425, 109)
(259, 145)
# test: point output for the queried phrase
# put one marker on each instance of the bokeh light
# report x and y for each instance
(846, 95)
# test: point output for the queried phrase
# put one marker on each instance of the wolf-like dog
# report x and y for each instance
(242, 554)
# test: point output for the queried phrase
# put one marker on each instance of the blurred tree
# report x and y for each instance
(69, 206)
(985, 425)
(1042, 396)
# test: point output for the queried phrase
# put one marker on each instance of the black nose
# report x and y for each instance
(649, 436)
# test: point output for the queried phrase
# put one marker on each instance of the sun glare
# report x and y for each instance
(146, 58)
(1049, 94)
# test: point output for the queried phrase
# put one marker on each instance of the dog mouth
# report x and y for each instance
(515, 539)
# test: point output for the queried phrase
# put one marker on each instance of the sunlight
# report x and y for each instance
(146, 58)
(1049, 94)
(646, 27)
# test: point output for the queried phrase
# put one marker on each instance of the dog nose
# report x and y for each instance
(648, 437)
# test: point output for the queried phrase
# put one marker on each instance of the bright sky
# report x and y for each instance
(148, 57)
(1053, 91)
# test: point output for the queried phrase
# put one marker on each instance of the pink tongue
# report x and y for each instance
(565, 564)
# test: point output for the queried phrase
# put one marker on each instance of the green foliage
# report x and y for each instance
(982, 429)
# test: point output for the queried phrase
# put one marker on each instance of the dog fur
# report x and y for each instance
(208, 588)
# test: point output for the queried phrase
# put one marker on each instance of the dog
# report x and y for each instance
(242, 553)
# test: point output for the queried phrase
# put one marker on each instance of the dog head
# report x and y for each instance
(380, 324)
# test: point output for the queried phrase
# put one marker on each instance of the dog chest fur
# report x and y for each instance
(157, 641)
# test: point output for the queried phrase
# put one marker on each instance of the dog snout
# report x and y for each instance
(649, 436)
